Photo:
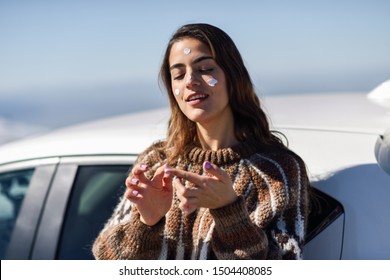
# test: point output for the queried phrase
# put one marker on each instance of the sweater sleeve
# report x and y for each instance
(274, 228)
(129, 240)
(235, 236)
(124, 236)
(288, 227)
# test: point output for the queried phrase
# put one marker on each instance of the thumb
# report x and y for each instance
(162, 179)
(167, 180)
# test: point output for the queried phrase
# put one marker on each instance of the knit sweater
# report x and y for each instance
(267, 221)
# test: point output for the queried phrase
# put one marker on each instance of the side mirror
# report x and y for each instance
(382, 151)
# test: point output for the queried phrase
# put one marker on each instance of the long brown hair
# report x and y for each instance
(250, 121)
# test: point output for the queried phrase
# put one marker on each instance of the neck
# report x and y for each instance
(215, 137)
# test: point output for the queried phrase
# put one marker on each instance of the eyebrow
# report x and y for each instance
(197, 60)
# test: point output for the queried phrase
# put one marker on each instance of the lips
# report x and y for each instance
(196, 96)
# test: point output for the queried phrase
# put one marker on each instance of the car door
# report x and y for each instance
(23, 189)
(83, 194)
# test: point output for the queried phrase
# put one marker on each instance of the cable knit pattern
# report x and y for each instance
(267, 221)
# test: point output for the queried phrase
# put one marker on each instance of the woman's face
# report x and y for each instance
(198, 83)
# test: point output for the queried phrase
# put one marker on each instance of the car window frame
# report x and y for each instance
(54, 212)
(96, 192)
(30, 211)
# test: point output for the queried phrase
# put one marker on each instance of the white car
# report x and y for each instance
(58, 189)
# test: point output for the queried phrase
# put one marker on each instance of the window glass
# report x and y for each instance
(324, 210)
(95, 193)
(13, 189)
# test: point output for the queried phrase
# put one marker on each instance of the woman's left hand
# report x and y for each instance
(214, 190)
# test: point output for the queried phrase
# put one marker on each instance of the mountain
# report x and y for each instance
(12, 130)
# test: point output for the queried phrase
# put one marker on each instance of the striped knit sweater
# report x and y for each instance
(267, 221)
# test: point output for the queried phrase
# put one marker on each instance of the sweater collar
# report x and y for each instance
(229, 155)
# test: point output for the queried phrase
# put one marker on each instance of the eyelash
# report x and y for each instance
(206, 70)
(181, 76)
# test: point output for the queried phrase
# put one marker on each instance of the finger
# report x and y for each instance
(132, 186)
(131, 193)
(188, 205)
(189, 176)
(215, 171)
(131, 181)
(161, 180)
(137, 172)
(135, 183)
(167, 182)
(184, 192)
(139, 169)
(160, 174)
(188, 210)
(137, 179)
(176, 183)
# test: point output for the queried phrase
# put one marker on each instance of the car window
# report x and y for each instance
(95, 193)
(13, 188)
(324, 210)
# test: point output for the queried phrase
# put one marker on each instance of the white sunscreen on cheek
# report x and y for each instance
(177, 91)
(212, 82)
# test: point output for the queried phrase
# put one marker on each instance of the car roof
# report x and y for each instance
(348, 112)
(130, 134)
(126, 134)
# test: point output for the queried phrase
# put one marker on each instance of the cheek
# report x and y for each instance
(211, 81)
(178, 93)
(216, 80)
(217, 83)
(176, 89)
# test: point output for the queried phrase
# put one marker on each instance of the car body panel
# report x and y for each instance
(364, 192)
(122, 135)
(23, 236)
(55, 207)
(346, 112)
(335, 134)
(325, 152)
(332, 236)
(132, 133)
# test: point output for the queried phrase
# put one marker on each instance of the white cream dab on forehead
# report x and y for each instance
(212, 82)
(177, 91)
(187, 50)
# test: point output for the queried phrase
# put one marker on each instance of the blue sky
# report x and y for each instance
(66, 61)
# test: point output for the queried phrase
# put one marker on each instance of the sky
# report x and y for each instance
(62, 62)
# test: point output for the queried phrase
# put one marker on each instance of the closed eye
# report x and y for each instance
(208, 70)
(178, 77)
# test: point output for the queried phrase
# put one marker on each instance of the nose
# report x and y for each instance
(192, 80)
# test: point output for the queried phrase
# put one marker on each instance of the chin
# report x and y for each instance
(197, 116)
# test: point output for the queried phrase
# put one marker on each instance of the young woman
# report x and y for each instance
(221, 185)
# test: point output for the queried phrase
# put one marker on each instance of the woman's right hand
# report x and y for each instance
(153, 198)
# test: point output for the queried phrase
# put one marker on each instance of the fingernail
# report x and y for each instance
(166, 171)
(135, 193)
(207, 165)
(135, 181)
(144, 166)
